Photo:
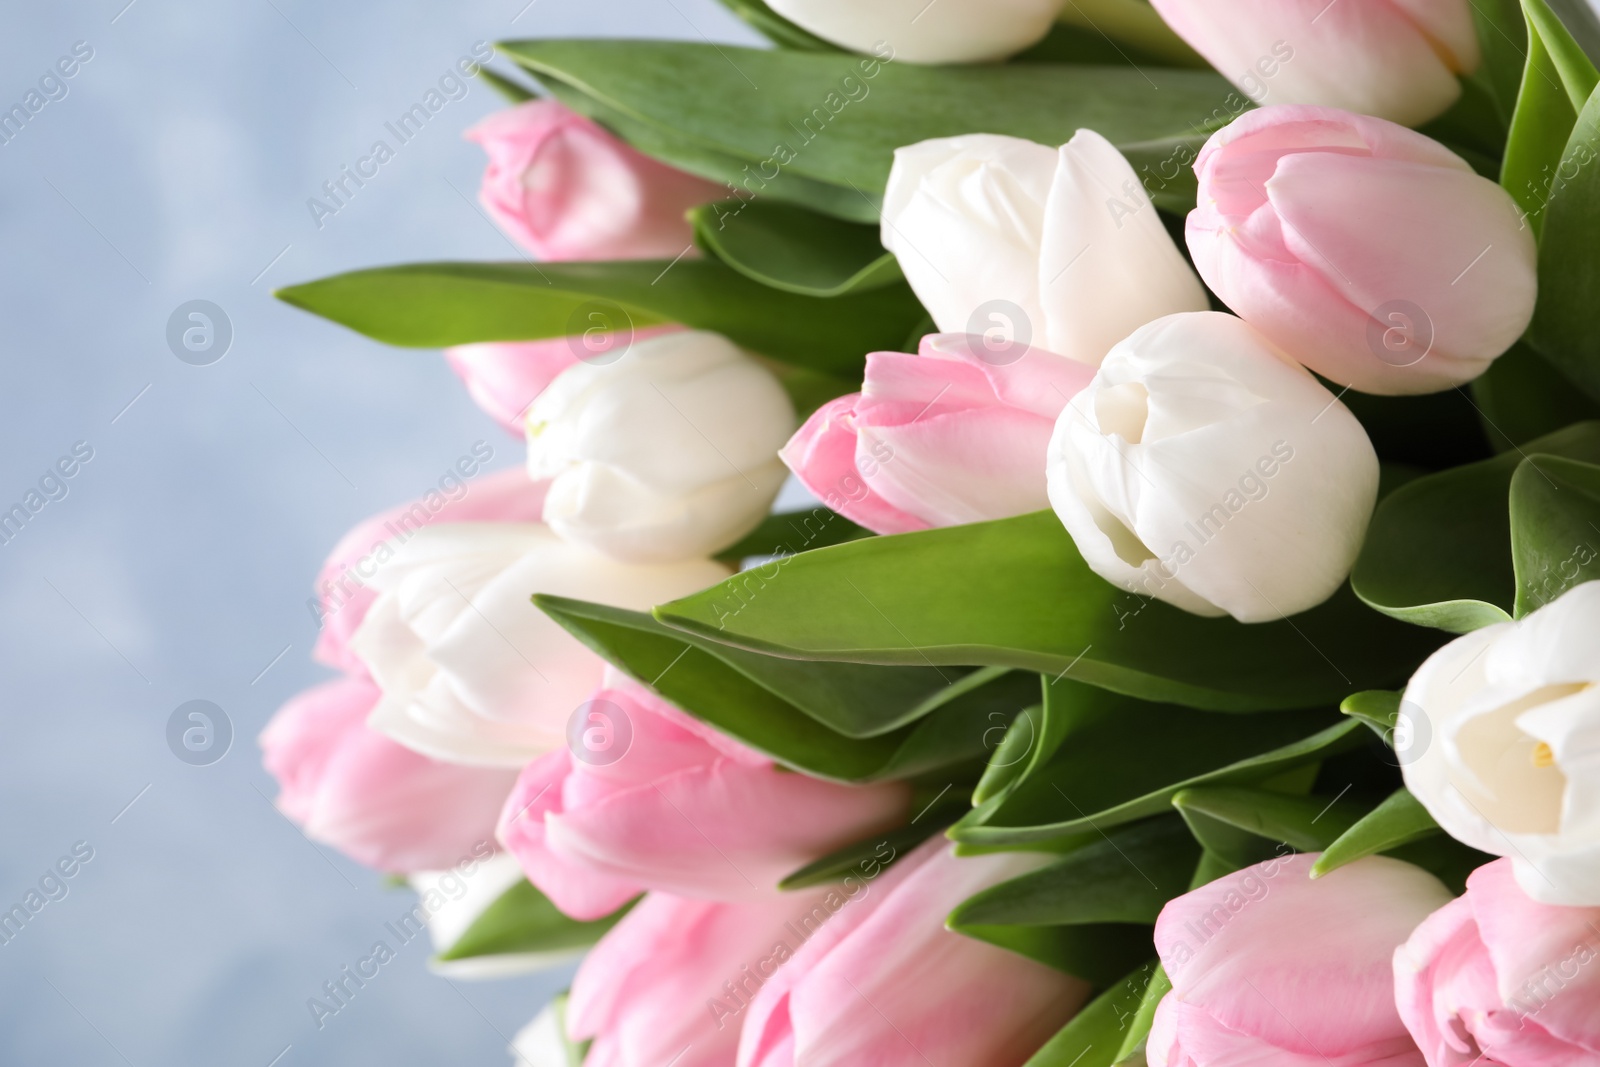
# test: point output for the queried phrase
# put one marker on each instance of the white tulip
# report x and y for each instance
(668, 453)
(915, 31)
(1058, 248)
(1504, 749)
(541, 1043)
(1204, 467)
(471, 671)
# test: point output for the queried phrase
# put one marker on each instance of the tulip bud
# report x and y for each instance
(1397, 59)
(885, 983)
(378, 802)
(672, 982)
(1060, 249)
(471, 671)
(1205, 468)
(1370, 253)
(504, 377)
(565, 189)
(1496, 978)
(1270, 967)
(915, 31)
(951, 435)
(1505, 745)
(667, 452)
(661, 801)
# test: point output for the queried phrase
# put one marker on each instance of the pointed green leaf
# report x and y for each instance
(1121, 760)
(794, 249)
(866, 859)
(1127, 876)
(512, 91)
(777, 29)
(1555, 528)
(523, 921)
(821, 128)
(1438, 552)
(1522, 396)
(1133, 1042)
(1017, 593)
(1099, 953)
(431, 305)
(1556, 82)
(1569, 257)
(1095, 1034)
(789, 532)
(1378, 708)
(1304, 823)
(1399, 820)
(1011, 755)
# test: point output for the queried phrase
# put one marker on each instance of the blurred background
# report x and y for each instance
(176, 167)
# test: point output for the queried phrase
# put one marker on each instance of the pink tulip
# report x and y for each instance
(342, 601)
(504, 377)
(885, 983)
(374, 800)
(649, 992)
(566, 189)
(1496, 978)
(957, 433)
(649, 798)
(1397, 59)
(1270, 967)
(1370, 253)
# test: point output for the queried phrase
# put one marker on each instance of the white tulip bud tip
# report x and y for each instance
(599, 733)
(599, 332)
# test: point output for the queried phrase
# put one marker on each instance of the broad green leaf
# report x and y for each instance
(777, 29)
(1582, 23)
(794, 249)
(1017, 593)
(1522, 396)
(1557, 81)
(1133, 1042)
(523, 921)
(1125, 877)
(821, 128)
(790, 532)
(431, 305)
(1010, 760)
(510, 90)
(1503, 36)
(723, 690)
(1569, 257)
(1555, 528)
(1095, 1034)
(1399, 820)
(1133, 24)
(1378, 708)
(1122, 760)
(1304, 823)
(1438, 552)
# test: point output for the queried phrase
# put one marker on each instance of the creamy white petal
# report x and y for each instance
(915, 31)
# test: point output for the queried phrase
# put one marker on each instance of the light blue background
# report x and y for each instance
(178, 566)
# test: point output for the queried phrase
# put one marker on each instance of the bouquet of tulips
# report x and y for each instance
(1175, 641)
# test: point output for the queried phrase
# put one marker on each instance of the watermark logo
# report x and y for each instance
(599, 733)
(599, 332)
(1400, 333)
(999, 332)
(199, 333)
(1411, 736)
(199, 733)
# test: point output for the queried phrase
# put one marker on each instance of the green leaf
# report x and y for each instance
(794, 249)
(523, 921)
(1378, 708)
(1133, 24)
(1304, 823)
(1503, 35)
(866, 859)
(431, 305)
(1555, 528)
(1569, 257)
(513, 91)
(1522, 396)
(821, 128)
(1438, 552)
(1011, 755)
(777, 29)
(1098, 953)
(1399, 820)
(1017, 593)
(1122, 760)
(1133, 1043)
(1557, 81)
(776, 706)
(790, 532)
(1127, 876)
(1096, 1033)
(1582, 23)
